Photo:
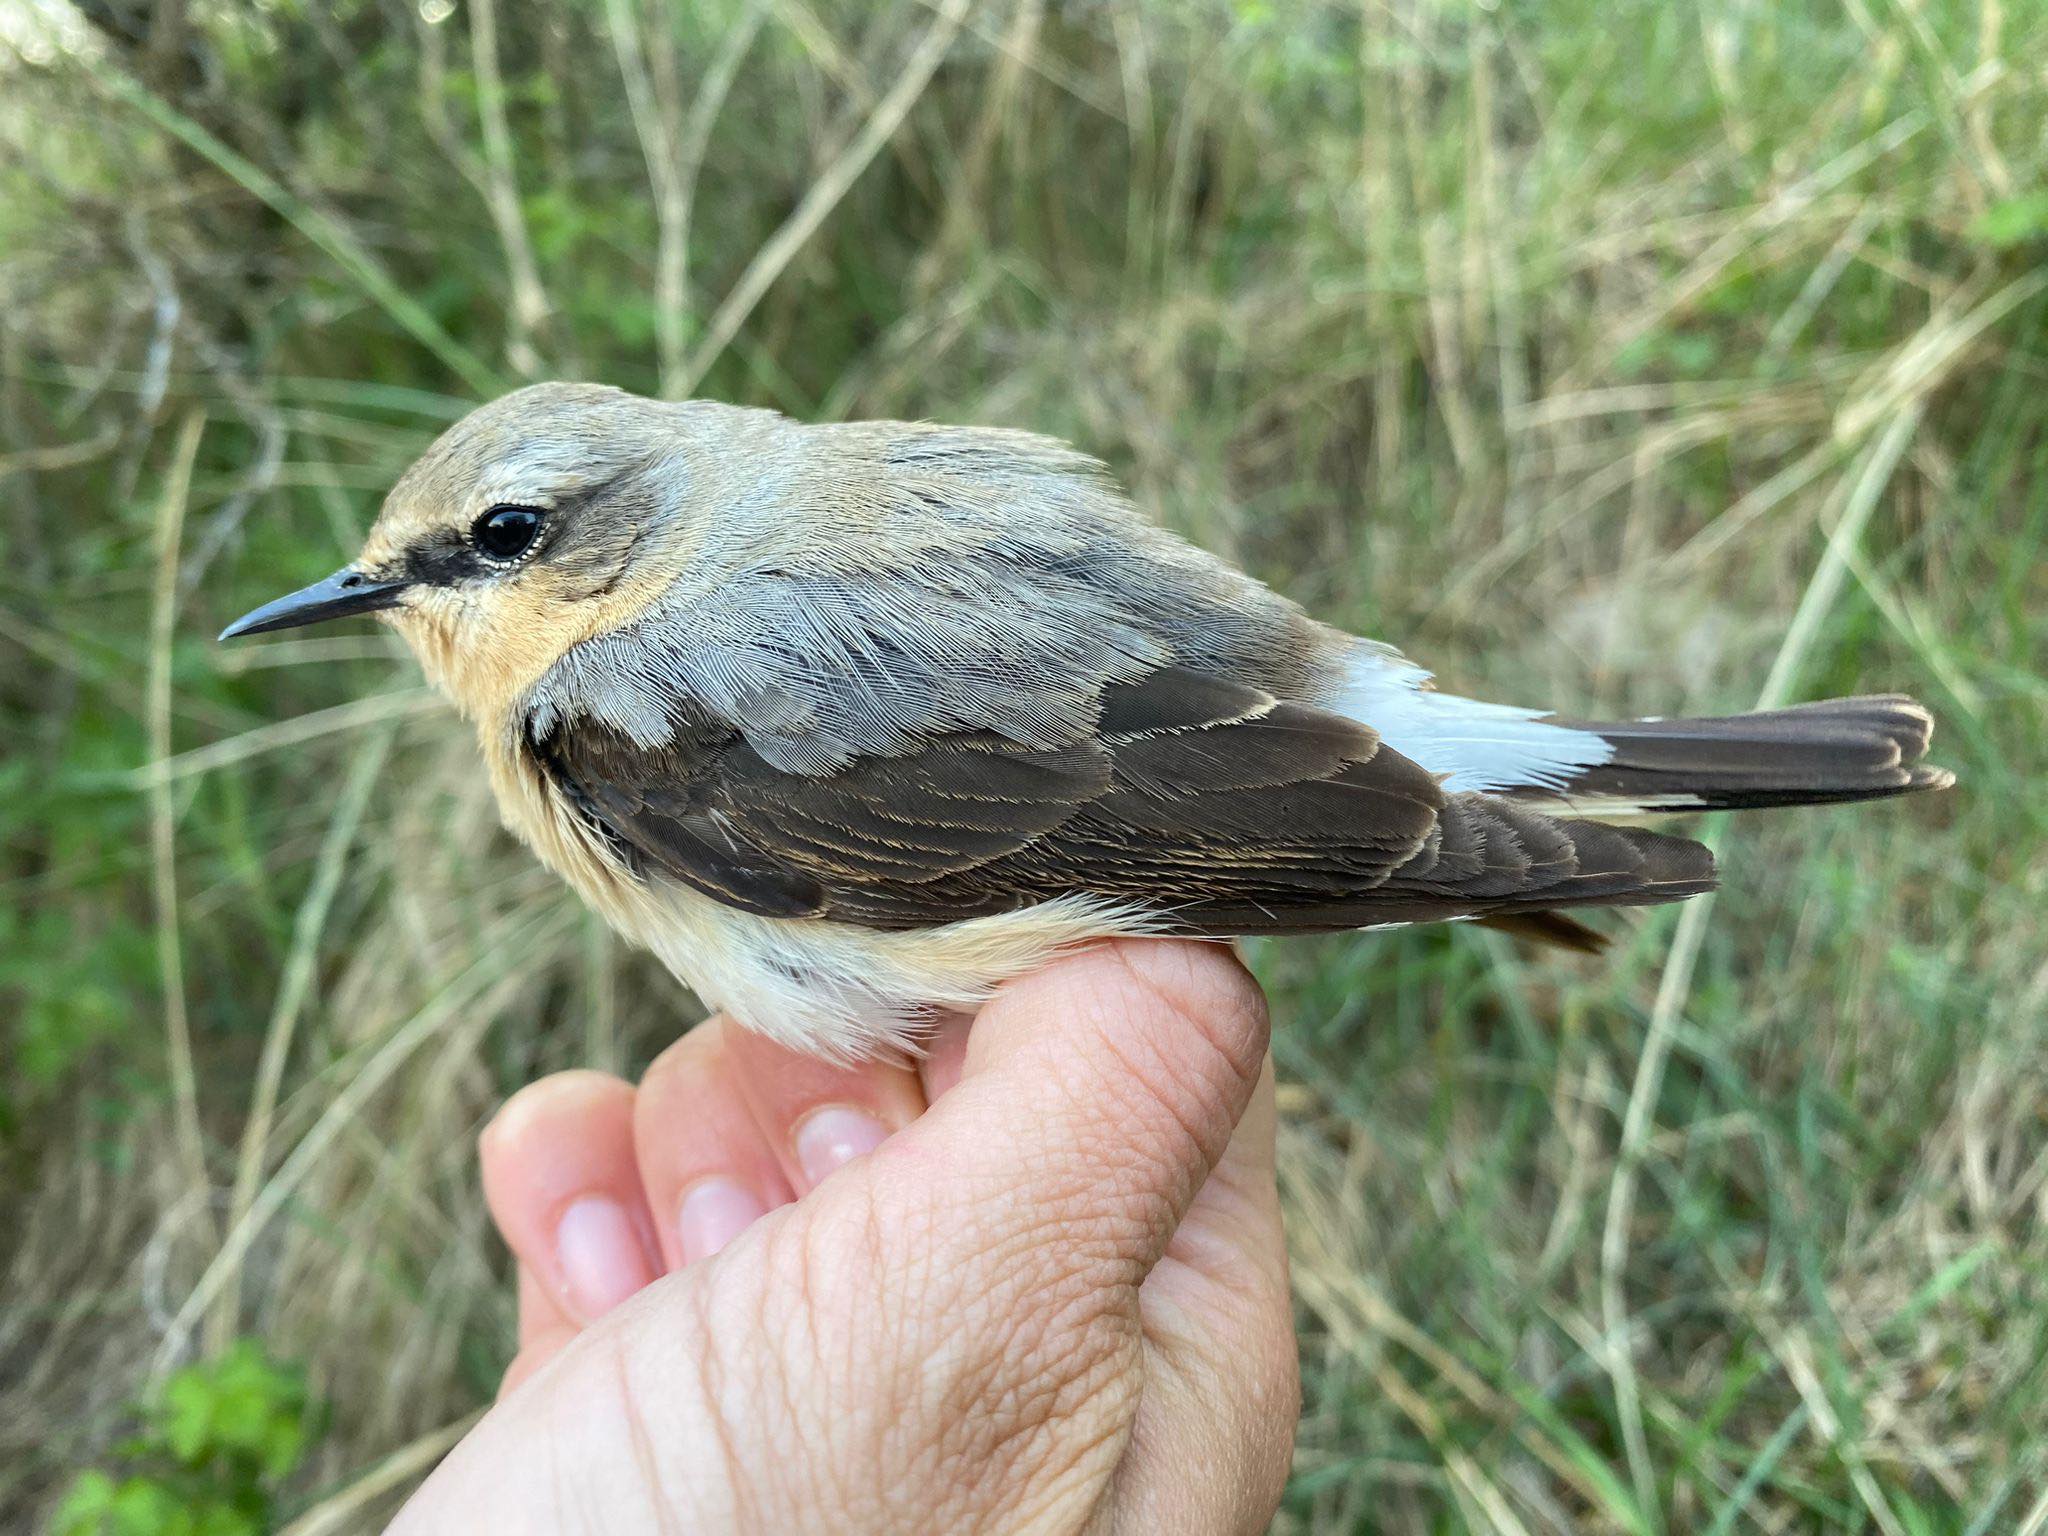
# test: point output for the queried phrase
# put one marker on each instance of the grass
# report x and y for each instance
(1630, 358)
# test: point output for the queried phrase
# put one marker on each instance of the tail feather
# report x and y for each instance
(1810, 754)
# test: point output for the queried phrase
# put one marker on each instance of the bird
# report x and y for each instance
(851, 723)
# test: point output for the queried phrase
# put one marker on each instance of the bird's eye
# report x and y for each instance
(505, 533)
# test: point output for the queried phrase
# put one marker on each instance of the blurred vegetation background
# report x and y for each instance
(1625, 356)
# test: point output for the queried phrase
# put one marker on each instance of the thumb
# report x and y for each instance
(1098, 1093)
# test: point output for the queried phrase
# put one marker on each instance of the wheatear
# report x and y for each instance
(852, 723)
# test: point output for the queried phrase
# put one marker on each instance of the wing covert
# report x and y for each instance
(1192, 792)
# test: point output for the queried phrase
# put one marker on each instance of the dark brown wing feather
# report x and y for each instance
(1229, 810)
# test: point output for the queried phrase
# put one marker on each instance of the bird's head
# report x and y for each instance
(539, 520)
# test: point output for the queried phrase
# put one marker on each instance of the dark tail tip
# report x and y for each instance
(1827, 752)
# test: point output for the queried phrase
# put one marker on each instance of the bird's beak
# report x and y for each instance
(348, 591)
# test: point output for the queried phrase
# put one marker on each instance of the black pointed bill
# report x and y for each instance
(346, 593)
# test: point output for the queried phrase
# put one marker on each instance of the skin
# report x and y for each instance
(1036, 1283)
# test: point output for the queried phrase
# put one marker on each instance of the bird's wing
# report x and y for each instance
(944, 708)
(1220, 807)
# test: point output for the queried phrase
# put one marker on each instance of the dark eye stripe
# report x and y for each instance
(449, 557)
(443, 559)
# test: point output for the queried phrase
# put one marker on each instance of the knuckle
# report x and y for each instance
(1207, 1042)
(1205, 987)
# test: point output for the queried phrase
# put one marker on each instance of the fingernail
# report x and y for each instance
(834, 1137)
(713, 1213)
(603, 1261)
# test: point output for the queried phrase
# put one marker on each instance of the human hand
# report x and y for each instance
(1054, 1298)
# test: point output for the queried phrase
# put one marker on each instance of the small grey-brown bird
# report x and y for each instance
(850, 723)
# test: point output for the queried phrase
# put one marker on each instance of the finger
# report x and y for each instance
(539, 1311)
(708, 1170)
(945, 1055)
(819, 1115)
(563, 1186)
(535, 1353)
(1223, 1374)
(1103, 1088)
(1232, 1232)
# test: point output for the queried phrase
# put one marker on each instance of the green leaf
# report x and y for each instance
(223, 1519)
(141, 1506)
(241, 1405)
(86, 1506)
(2014, 221)
(186, 1417)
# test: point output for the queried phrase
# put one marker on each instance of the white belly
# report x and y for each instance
(846, 992)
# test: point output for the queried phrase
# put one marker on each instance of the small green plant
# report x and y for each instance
(2014, 222)
(213, 1447)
